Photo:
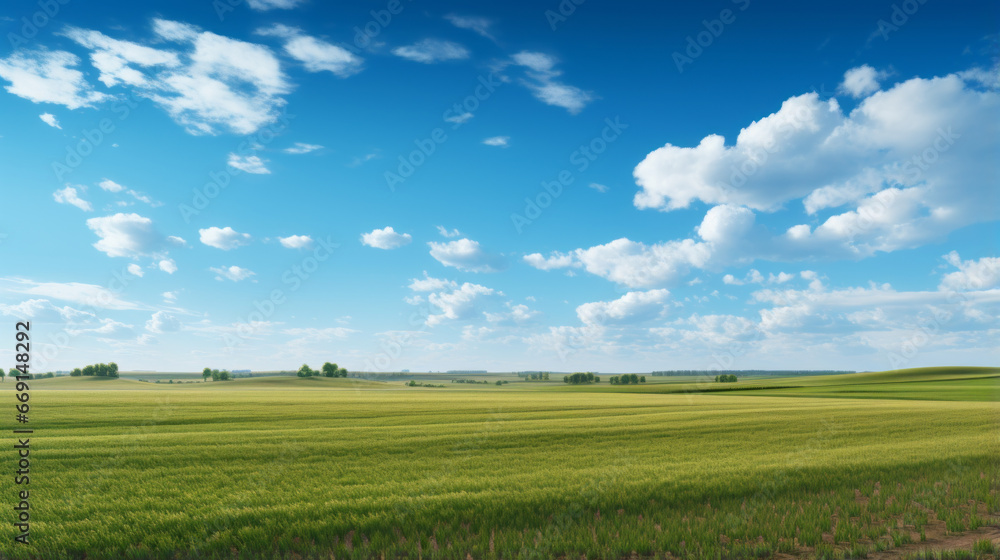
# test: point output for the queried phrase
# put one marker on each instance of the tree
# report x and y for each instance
(225, 376)
(330, 370)
(77, 372)
(642, 379)
(215, 375)
(342, 372)
(633, 378)
(305, 371)
(113, 370)
(597, 379)
(88, 371)
(2, 374)
(206, 373)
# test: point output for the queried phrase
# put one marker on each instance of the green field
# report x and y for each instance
(345, 468)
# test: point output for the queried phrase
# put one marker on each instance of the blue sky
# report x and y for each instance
(600, 186)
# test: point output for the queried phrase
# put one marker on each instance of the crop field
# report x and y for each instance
(344, 468)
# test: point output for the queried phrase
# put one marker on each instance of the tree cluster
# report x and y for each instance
(96, 370)
(539, 376)
(216, 375)
(726, 378)
(581, 377)
(328, 370)
(628, 379)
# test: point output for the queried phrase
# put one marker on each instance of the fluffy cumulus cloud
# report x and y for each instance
(296, 241)
(223, 238)
(168, 266)
(208, 83)
(69, 196)
(982, 274)
(44, 76)
(315, 54)
(633, 307)
(127, 235)
(861, 81)
(430, 284)
(466, 255)
(385, 238)
(233, 273)
(430, 51)
(457, 304)
(162, 322)
(542, 79)
(135, 270)
(110, 186)
(904, 168)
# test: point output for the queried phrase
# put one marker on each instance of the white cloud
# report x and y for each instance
(223, 238)
(223, 83)
(68, 195)
(161, 322)
(110, 186)
(43, 311)
(445, 232)
(457, 304)
(908, 159)
(385, 238)
(135, 270)
(478, 24)
(296, 241)
(861, 81)
(43, 76)
(598, 187)
(50, 119)
(971, 275)
(84, 294)
(114, 59)
(249, 164)
(109, 329)
(266, 5)
(633, 307)
(460, 118)
(316, 55)
(631, 263)
(168, 266)
(170, 297)
(501, 141)
(302, 148)
(430, 51)
(541, 81)
(233, 273)
(466, 255)
(429, 284)
(126, 235)
(518, 314)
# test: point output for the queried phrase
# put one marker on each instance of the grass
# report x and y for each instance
(319, 468)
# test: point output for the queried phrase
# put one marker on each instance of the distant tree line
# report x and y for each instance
(328, 370)
(749, 372)
(96, 370)
(470, 381)
(580, 378)
(628, 379)
(535, 376)
(726, 378)
(413, 383)
(216, 375)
